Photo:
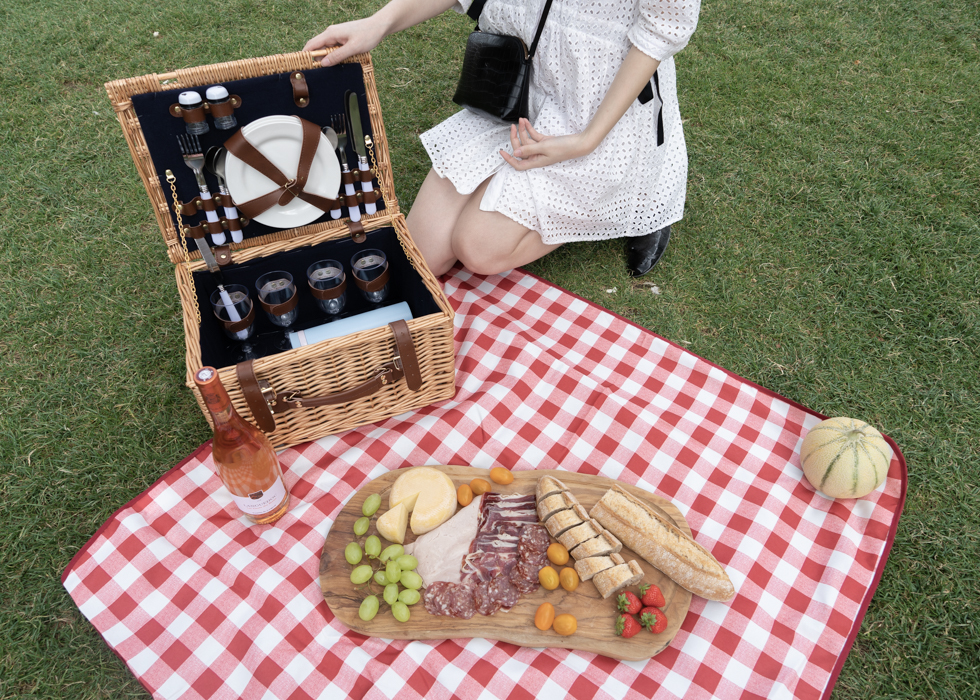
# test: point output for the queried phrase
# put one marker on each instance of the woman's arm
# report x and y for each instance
(362, 35)
(534, 150)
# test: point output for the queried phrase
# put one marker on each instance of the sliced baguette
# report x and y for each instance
(549, 505)
(605, 544)
(561, 521)
(655, 538)
(575, 536)
(548, 486)
(611, 581)
(587, 568)
(580, 510)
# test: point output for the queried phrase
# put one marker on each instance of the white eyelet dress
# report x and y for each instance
(628, 186)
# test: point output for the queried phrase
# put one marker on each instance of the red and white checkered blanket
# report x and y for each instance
(199, 604)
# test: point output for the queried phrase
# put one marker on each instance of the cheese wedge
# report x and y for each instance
(392, 525)
(428, 493)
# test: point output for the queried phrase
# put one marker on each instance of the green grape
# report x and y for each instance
(381, 578)
(371, 505)
(372, 546)
(391, 593)
(361, 574)
(393, 573)
(361, 526)
(411, 580)
(401, 611)
(407, 562)
(369, 608)
(353, 553)
(409, 597)
(392, 552)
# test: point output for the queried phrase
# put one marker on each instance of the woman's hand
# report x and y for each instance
(359, 36)
(533, 149)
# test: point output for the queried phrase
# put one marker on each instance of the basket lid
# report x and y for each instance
(287, 86)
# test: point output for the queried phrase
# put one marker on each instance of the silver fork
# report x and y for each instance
(190, 148)
(340, 128)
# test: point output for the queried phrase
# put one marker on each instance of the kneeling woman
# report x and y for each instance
(592, 162)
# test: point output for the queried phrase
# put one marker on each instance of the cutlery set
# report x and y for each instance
(346, 137)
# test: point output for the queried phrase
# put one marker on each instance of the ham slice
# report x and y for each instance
(440, 551)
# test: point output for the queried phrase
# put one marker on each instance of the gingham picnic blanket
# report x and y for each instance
(200, 604)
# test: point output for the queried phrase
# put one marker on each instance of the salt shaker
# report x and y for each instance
(192, 106)
(222, 111)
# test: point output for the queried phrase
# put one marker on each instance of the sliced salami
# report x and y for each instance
(438, 598)
(534, 539)
(522, 583)
(503, 592)
(481, 597)
(463, 605)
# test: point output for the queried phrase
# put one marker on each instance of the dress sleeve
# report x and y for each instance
(462, 6)
(663, 27)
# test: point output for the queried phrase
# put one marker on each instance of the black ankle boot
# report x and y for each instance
(643, 252)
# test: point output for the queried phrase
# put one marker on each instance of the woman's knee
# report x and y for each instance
(479, 254)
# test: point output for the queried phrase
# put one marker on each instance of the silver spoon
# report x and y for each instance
(332, 138)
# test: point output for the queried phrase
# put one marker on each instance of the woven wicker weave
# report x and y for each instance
(326, 367)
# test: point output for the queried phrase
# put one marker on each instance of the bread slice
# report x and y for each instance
(561, 521)
(570, 498)
(575, 536)
(580, 510)
(550, 505)
(547, 486)
(648, 532)
(611, 581)
(603, 545)
(587, 568)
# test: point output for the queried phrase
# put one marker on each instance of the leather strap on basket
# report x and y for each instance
(264, 401)
(375, 284)
(288, 189)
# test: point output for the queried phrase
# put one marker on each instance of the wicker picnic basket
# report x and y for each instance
(299, 394)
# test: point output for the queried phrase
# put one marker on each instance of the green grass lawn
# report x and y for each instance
(829, 252)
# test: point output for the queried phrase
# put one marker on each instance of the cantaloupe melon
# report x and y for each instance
(845, 457)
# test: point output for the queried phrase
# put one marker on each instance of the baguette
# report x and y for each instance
(548, 486)
(550, 505)
(575, 536)
(655, 538)
(611, 581)
(587, 568)
(561, 521)
(598, 546)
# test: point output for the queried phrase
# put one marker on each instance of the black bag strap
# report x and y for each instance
(476, 9)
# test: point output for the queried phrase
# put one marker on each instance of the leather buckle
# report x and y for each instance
(291, 400)
(268, 393)
(383, 373)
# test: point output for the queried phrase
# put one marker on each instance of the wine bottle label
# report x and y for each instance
(261, 502)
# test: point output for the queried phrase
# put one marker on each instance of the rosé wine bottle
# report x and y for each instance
(246, 462)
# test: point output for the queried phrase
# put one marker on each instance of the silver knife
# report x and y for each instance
(357, 137)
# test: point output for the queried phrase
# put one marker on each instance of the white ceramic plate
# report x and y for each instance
(280, 139)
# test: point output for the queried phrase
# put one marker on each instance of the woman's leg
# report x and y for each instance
(448, 226)
(432, 218)
(487, 242)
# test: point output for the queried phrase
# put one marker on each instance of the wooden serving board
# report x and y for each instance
(596, 617)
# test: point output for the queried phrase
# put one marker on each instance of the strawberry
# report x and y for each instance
(653, 619)
(651, 597)
(628, 603)
(627, 626)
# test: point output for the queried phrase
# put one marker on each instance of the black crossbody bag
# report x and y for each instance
(496, 74)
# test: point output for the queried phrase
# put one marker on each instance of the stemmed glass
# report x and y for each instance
(233, 308)
(371, 274)
(328, 285)
(277, 295)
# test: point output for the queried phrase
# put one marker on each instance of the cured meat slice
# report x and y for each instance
(463, 604)
(438, 598)
(534, 539)
(522, 582)
(503, 592)
(481, 597)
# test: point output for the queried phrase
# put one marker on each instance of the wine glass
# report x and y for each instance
(371, 274)
(277, 295)
(233, 308)
(328, 285)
